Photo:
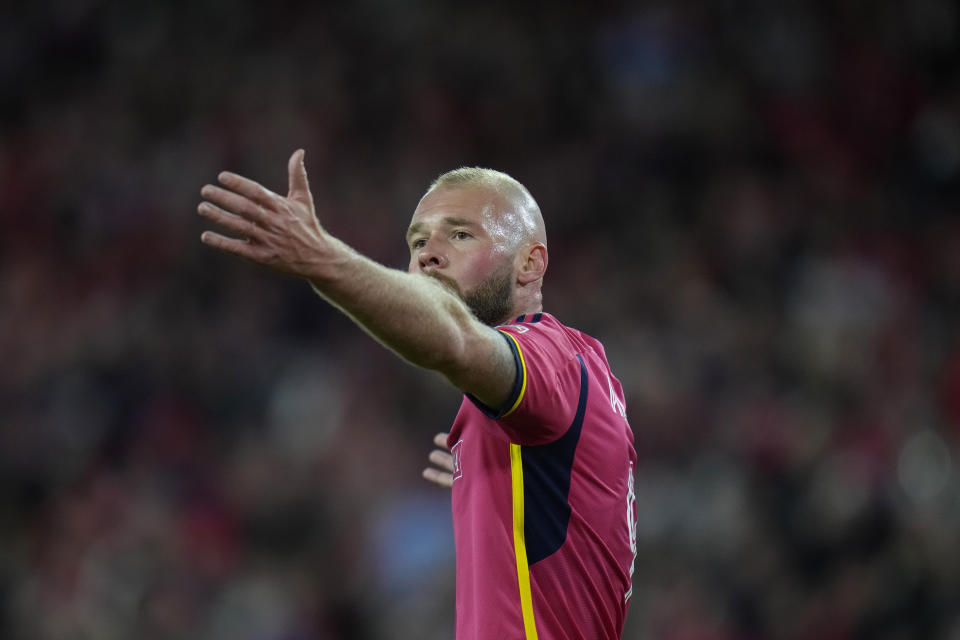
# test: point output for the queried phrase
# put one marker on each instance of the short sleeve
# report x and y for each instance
(546, 390)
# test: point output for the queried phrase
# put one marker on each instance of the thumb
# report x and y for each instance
(299, 188)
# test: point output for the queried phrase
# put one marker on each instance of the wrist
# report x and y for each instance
(333, 268)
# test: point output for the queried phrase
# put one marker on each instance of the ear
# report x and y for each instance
(533, 263)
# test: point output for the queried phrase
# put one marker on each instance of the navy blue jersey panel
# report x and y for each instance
(546, 485)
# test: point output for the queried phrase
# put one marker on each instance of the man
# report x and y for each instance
(541, 455)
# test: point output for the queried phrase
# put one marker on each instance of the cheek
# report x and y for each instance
(480, 268)
(476, 263)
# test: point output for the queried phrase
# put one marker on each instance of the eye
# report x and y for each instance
(418, 243)
(461, 235)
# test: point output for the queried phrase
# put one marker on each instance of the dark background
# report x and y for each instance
(755, 207)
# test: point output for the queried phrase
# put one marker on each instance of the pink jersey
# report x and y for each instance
(543, 506)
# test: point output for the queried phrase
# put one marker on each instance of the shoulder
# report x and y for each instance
(547, 331)
(539, 323)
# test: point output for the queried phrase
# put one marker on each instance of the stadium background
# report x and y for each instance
(754, 207)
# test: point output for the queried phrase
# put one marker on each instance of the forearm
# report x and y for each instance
(413, 315)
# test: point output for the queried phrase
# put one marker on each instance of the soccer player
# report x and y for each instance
(540, 454)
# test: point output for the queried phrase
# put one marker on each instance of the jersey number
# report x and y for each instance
(631, 529)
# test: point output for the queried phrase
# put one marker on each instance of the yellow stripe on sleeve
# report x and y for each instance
(520, 544)
(523, 374)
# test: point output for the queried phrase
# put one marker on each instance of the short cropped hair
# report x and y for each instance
(492, 179)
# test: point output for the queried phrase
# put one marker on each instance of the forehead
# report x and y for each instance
(469, 204)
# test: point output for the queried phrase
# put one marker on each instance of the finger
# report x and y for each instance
(247, 187)
(441, 459)
(299, 187)
(438, 477)
(441, 440)
(233, 246)
(228, 221)
(235, 203)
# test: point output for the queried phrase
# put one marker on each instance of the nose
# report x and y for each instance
(431, 258)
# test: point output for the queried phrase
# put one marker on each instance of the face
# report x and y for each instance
(461, 237)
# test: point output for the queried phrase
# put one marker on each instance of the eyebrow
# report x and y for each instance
(450, 221)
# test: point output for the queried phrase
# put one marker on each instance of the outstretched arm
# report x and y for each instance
(411, 314)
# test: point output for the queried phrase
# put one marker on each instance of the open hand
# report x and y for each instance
(443, 460)
(275, 231)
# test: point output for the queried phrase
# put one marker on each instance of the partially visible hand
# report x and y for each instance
(443, 459)
(275, 231)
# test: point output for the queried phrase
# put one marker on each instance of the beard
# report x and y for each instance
(491, 301)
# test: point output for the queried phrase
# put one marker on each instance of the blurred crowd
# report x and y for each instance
(755, 206)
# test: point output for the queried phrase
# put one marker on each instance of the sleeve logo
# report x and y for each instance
(519, 328)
